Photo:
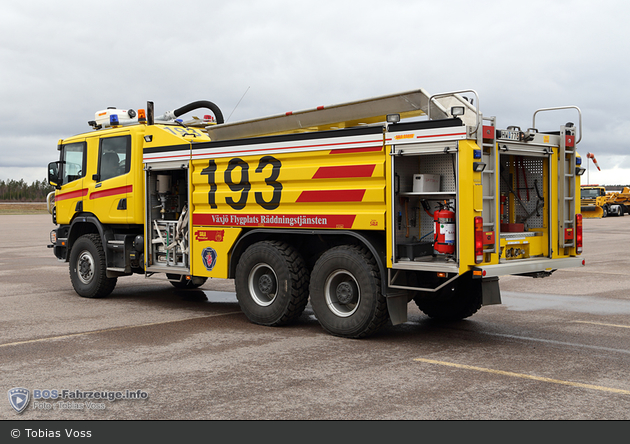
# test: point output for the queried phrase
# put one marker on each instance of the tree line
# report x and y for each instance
(18, 190)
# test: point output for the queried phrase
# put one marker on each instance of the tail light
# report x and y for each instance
(479, 239)
(578, 233)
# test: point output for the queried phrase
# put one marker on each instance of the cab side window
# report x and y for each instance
(114, 157)
(73, 162)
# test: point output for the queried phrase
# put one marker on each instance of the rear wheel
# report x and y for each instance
(346, 292)
(88, 269)
(271, 283)
(455, 302)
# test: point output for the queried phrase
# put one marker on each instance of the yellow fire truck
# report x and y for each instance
(360, 207)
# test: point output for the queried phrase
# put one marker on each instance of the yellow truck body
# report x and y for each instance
(338, 204)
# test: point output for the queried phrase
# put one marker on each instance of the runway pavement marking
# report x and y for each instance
(105, 330)
(602, 323)
(524, 376)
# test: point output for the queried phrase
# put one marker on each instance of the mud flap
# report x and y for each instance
(397, 307)
(490, 293)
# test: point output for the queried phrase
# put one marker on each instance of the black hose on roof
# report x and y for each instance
(218, 115)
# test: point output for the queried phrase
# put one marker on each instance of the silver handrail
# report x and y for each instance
(453, 93)
(49, 201)
(558, 108)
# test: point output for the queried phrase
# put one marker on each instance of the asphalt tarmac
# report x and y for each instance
(558, 348)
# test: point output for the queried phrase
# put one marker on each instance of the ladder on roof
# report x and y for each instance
(345, 115)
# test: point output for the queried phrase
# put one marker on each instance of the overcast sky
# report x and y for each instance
(62, 61)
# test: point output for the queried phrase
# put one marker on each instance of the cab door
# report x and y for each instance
(69, 198)
(108, 186)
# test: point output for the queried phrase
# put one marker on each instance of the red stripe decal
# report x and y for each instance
(357, 150)
(275, 220)
(338, 172)
(71, 194)
(440, 135)
(331, 196)
(111, 192)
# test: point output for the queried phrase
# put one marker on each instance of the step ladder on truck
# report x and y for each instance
(359, 207)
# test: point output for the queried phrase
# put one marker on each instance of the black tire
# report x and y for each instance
(605, 209)
(183, 283)
(88, 269)
(346, 292)
(460, 300)
(271, 283)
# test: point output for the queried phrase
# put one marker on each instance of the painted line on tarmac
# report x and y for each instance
(524, 376)
(541, 340)
(553, 342)
(602, 323)
(105, 330)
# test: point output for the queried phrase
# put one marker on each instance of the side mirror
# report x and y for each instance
(53, 174)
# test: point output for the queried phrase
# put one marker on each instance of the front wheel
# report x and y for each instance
(88, 269)
(346, 292)
(271, 283)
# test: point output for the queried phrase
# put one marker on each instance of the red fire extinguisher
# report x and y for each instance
(444, 232)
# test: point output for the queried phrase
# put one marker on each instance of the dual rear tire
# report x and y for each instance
(272, 288)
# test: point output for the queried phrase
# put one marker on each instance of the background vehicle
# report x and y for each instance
(596, 202)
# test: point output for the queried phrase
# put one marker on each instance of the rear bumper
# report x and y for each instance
(529, 266)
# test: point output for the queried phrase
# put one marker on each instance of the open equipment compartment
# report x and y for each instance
(524, 229)
(167, 224)
(425, 184)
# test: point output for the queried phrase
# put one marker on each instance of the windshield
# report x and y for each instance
(590, 193)
(73, 162)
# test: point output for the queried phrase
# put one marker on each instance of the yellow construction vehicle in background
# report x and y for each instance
(359, 207)
(592, 201)
(597, 203)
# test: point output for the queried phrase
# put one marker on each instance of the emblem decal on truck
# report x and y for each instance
(209, 257)
(210, 235)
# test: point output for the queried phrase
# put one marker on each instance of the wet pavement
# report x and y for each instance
(557, 348)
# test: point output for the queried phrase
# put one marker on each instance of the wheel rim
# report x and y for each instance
(85, 267)
(263, 285)
(342, 293)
